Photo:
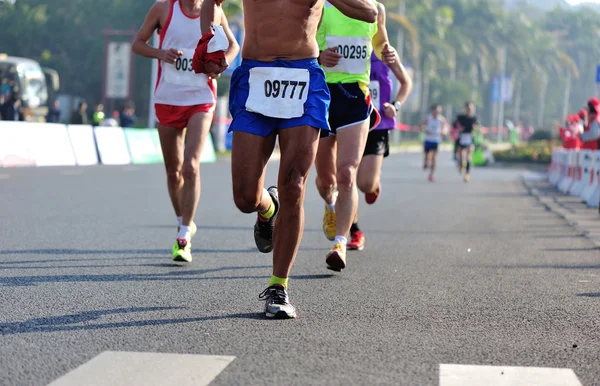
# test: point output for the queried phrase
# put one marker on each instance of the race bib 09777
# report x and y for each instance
(181, 73)
(278, 92)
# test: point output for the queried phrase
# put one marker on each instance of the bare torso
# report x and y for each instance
(284, 29)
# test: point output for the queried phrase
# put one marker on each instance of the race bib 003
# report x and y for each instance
(374, 91)
(355, 51)
(182, 74)
(278, 92)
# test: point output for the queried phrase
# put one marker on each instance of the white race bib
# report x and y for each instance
(278, 92)
(356, 52)
(374, 91)
(182, 74)
(466, 139)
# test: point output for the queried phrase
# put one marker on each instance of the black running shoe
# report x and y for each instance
(277, 303)
(263, 230)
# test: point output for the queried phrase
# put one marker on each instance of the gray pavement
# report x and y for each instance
(453, 273)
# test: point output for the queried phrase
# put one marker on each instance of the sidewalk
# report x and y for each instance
(579, 216)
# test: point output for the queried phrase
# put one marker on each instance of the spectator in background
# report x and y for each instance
(54, 112)
(11, 110)
(79, 116)
(5, 89)
(128, 117)
(98, 116)
(111, 122)
(591, 134)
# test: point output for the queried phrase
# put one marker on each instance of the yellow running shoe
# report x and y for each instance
(329, 224)
(336, 258)
(182, 250)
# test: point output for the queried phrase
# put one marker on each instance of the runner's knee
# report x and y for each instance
(246, 199)
(366, 184)
(191, 171)
(325, 181)
(346, 176)
(174, 175)
(292, 186)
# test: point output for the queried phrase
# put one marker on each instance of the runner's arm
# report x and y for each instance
(210, 13)
(140, 44)
(364, 10)
(234, 47)
(387, 53)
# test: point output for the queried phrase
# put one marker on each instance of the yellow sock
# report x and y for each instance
(278, 280)
(270, 212)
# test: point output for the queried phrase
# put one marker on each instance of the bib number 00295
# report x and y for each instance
(352, 52)
(279, 88)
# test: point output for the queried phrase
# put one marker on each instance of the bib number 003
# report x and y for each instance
(183, 64)
(279, 88)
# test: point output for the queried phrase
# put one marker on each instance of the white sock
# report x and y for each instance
(340, 239)
(179, 220)
(184, 233)
(330, 207)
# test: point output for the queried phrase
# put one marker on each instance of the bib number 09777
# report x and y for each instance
(352, 52)
(279, 88)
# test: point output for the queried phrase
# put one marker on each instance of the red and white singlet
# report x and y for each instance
(178, 84)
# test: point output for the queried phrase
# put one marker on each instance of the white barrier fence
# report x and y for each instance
(577, 173)
(48, 144)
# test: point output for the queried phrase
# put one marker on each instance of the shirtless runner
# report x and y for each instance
(182, 99)
(280, 90)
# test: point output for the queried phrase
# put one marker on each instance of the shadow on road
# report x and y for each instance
(112, 252)
(72, 322)
(571, 249)
(178, 275)
(590, 295)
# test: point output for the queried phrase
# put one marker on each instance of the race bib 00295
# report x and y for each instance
(182, 74)
(278, 92)
(355, 51)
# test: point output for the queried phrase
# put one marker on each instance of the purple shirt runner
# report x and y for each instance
(381, 91)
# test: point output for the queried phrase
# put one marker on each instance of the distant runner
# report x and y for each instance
(466, 124)
(434, 126)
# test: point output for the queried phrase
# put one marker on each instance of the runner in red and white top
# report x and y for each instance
(183, 99)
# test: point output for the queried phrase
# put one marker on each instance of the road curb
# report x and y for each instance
(559, 205)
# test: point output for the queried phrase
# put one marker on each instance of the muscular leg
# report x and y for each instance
(198, 128)
(171, 142)
(369, 173)
(249, 157)
(298, 150)
(326, 168)
(351, 145)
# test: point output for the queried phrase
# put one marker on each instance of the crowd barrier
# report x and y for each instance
(577, 173)
(49, 144)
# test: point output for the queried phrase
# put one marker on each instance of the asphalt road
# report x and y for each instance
(453, 273)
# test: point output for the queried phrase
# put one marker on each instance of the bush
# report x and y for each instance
(539, 152)
(541, 135)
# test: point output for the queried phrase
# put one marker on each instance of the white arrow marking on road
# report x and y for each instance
(116, 368)
(467, 375)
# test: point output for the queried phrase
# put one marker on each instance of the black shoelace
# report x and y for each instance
(275, 295)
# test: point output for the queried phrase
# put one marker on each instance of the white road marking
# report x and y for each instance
(468, 375)
(116, 368)
(71, 172)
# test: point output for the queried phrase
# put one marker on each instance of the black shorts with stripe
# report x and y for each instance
(349, 105)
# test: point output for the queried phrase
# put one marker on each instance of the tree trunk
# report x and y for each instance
(542, 101)
(517, 105)
(452, 77)
(565, 111)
